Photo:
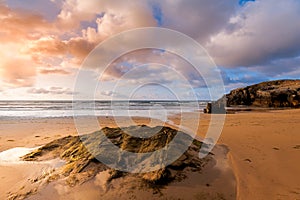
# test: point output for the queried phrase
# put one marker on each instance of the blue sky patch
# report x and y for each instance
(157, 14)
(243, 2)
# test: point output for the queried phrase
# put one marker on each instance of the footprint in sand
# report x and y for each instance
(297, 147)
(248, 160)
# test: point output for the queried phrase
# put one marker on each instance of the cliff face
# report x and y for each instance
(282, 93)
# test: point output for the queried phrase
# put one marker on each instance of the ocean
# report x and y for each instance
(48, 109)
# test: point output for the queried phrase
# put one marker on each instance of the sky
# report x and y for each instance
(44, 44)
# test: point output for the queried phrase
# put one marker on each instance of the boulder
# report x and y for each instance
(82, 165)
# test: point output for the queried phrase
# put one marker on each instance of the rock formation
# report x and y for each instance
(82, 166)
(275, 94)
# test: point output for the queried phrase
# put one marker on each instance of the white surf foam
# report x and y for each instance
(13, 155)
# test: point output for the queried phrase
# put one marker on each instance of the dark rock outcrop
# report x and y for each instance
(272, 94)
(216, 107)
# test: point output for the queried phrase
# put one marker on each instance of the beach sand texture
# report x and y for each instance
(263, 150)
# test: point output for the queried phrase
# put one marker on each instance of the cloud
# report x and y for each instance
(150, 65)
(46, 8)
(79, 48)
(112, 17)
(109, 18)
(51, 91)
(17, 25)
(115, 14)
(18, 29)
(54, 71)
(107, 93)
(55, 48)
(17, 72)
(256, 36)
(48, 46)
(280, 66)
(112, 94)
(197, 18)
(235, 35)
(260, 33)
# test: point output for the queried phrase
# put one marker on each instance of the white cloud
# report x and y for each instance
(197, 18)
(262, 31)
(117, 15)
(51, 91)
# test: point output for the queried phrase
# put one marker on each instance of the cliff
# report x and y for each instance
(272, 94)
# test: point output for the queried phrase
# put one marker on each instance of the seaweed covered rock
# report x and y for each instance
(81, 153)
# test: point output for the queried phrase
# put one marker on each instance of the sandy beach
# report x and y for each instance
(263, 149)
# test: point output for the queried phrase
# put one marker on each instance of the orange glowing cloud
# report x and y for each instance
(18, 72)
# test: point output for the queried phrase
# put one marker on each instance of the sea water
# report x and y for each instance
(46, 109)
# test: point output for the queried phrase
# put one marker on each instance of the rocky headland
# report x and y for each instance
(270, 94)
(282, 93)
